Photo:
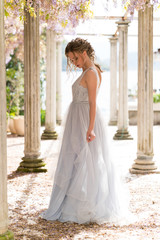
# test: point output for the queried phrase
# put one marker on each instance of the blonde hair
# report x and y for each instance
(80, 45)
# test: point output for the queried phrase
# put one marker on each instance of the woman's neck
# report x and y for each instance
(91, 64)
(87, 63)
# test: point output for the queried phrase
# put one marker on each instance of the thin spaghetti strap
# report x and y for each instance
(92, 69)
(98, 79)
(88, 69)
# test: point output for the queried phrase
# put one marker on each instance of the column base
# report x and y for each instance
(112, 123)
(144, 166)
(7, 236)
(138, 171)
(32, 165)
(47, 135)
(122, 135)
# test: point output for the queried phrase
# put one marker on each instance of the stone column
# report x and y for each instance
(50, 119)
(144, 162)
(4, 233)
(113, 81)
(32, 162)
(58, 82)
(122, 132)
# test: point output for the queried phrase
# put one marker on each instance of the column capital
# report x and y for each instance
(59, 39)
(113, 39)
(123, 23)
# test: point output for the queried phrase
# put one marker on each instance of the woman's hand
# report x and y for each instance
(90, 135)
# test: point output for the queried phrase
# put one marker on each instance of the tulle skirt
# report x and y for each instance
(86, 187)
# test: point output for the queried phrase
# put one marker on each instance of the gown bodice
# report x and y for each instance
(80, 93)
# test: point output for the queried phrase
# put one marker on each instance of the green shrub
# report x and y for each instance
(14, 85)
(156, 97)
(43, 114)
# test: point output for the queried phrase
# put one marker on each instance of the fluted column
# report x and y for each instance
(4, 233)
(144, 162)
(58, 82)
(50, 119)
(113, 81)
(122, 132)
(32, 162)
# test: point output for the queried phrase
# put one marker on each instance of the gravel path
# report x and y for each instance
(29, 194)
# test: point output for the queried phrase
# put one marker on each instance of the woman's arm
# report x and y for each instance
(91, 81)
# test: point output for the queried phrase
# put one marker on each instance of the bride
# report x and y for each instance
(85, 188)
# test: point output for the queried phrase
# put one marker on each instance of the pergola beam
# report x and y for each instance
(120, 17)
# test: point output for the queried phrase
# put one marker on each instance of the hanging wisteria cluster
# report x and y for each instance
(64, 15)
(13, 36)
(59, 15)
(132, 5)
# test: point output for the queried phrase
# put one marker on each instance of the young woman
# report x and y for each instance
(85, 187)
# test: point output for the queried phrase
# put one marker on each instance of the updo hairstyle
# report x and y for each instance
(80, 45)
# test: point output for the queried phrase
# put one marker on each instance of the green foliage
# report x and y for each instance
(14, 85)
(43, 114)
(156, 97)
(7, 236)
(47, 17)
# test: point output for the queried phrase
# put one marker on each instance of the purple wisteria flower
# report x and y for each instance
(54, 2)
(133, 5)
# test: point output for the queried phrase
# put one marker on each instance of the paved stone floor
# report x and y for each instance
(29, 194)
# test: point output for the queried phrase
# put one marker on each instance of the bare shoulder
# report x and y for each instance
(92, 73)
(92, 76)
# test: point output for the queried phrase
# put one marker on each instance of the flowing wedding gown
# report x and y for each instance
(85, 187)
